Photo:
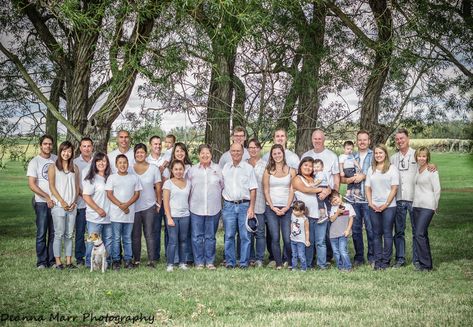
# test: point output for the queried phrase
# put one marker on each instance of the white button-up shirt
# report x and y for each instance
(407, 167)
(206, 189)
(260, 202)
(83, 169)
(238, 180)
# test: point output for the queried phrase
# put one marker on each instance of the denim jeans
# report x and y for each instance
(203, 238)
(105, 232)
(144, 221)
(399, 229)
(64, 222)
(234, 217)
(422, 219)
(121, 232)
(258, 240)
(383, 223)
(178, 235)
(80, 233)
(279, 226)
(317, 233)
(158, 223)
(44, 235)
(340, 252)
(362, 216)
(298, 252)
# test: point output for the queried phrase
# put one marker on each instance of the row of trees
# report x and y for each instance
(256, 63)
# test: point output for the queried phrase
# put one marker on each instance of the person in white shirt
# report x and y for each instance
(176, 192)
(147, 205)
(64, 185)
(425, 205)
(157, 157)
(86, 148)
(279, 195)
(38, 183)
(381, 185)
(123, 142)
(205, 205)
(123, 190)
(97, 203)
(258, 240)
(238, 136)
(280, 137)
(169, 142)
(239, 196)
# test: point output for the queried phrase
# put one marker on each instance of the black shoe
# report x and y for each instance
(59, 267)
(243, 267)
(71, 266)
(229, 267)
(358, 263)
(151, 264)
(80, 263)
(129, 265)
(116, 265)
(398, 265)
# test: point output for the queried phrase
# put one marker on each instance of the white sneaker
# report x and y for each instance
(183, 266)
(170, 268)
(258, 264)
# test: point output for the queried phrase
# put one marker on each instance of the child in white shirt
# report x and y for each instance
(299, 234)
(349, 166)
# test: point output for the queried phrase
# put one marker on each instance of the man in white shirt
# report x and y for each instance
(38, 182)
(123, 142)
(404, 160)
(239, 196)
(331, 167)
(86, 148)
(238, 136)
(280, 137)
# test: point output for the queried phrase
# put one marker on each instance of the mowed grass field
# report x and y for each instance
(255, 297)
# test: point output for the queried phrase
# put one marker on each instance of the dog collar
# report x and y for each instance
(96, 246)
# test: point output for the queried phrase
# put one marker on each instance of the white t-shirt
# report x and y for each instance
(338, 227)
(167, 172)
(348, 161)
(323, 177)
(123, 187)
(330, 161)
(148, 195)
(178, 198)
(159, 162)
(38, 168)
(381, 185)
(83, 168)
(112, 156)
(96, 189)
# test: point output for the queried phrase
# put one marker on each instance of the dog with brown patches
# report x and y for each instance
(98, 259)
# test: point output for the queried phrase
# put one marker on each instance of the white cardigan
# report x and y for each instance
(427, 190)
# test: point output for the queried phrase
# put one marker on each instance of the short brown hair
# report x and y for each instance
(423, 149)
(238, 129)
(403, 131)
(363, 131)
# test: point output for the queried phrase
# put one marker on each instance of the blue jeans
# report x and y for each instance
(44, 234)
(64, 222)
(383, 223)
(158, 223)
(279, 226)
(422, 219)
(399, 228)
(121, 232)
(80, 232)
(234, 217)
(362, 216)
(105, 232)
(258, 240)
(340, 252)
(203, 238)
(317, 233)
(178, 235)
(298, 252)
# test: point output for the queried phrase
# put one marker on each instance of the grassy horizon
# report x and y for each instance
(255, 297)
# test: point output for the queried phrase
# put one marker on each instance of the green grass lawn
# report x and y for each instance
(256, 297)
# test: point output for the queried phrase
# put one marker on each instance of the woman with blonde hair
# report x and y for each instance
(382, 180)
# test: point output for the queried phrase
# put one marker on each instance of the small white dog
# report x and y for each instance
(98, 257)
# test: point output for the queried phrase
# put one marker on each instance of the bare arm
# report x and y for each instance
(167, 207)
(298, 185)
(52, 187)
(336, 182)
(291, 191)
(306, 230)
(348, 230)
(251, 209)
(159, 193)
(91, 203)
(35, 188)
(267, 197)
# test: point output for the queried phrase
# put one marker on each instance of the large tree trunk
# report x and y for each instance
(312, 47)
(238, 114)
(369, 119)
(54, 98)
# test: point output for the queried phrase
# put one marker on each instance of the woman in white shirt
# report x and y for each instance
(205, 204)
(147, 205)
(97, 203)
(425, 204)
(64, 185)
(382, 180)
(279, 194)
(176, 192)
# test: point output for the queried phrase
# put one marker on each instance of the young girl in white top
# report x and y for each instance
(64, 186)
(299, 234)
(425, 204)
(382, 180)
(176, 192)
(123, 190)
(97, 202)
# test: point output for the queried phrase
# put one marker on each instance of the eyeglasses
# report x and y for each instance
(404, 164)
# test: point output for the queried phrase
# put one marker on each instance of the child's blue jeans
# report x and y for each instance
(340, 252)
(298, 252)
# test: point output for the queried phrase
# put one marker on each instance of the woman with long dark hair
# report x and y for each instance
(64, 185)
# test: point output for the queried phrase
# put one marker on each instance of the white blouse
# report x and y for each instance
(426, 190)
